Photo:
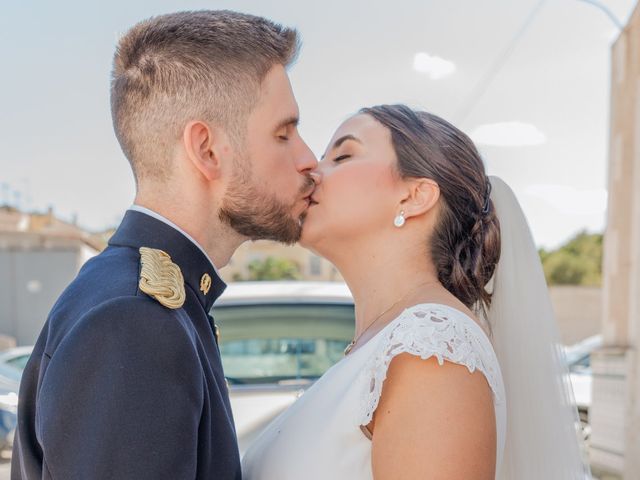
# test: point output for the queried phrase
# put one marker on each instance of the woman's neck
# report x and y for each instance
(383, 284)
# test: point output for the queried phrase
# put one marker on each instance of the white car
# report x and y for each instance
(276, 339)
(579, 362)
(12, 363)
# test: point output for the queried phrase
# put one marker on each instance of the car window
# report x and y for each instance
(581, 364)
(277, 343)
(19, 362)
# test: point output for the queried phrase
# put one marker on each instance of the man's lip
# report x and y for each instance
(309, 198)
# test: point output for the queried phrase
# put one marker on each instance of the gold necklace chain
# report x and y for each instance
(355, 340)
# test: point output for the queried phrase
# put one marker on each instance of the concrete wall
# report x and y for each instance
(30, 283)
(578, 312)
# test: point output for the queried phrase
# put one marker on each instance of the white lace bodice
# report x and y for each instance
(320, 434)
(429, 331)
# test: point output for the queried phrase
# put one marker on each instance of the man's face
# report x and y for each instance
(268, 195)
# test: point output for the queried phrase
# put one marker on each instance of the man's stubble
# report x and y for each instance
(257, 214)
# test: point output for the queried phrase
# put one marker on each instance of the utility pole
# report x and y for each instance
(615, 411)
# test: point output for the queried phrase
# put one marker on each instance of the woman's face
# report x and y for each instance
(359, 191)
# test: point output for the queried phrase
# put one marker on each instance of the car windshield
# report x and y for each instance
(19, 362)
(263, 344)
(577, 353)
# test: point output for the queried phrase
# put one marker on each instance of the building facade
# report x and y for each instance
(310, 266)
(615, 413)
(39, 256)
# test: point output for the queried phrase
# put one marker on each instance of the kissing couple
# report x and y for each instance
(454, 371)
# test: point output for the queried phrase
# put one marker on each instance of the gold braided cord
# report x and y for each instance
(160, 278)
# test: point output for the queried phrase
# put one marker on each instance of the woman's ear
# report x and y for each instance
(422, 196)
(205, 147)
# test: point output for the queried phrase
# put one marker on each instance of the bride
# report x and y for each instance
(454, 371)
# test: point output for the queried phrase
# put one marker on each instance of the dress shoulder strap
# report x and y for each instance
(428, 330)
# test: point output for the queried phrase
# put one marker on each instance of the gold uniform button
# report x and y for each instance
(205, 283)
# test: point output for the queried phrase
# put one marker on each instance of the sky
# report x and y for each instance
(527, 79)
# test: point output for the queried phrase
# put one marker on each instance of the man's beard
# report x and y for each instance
(258, 215)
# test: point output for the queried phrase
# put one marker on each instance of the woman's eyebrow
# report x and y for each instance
(341, 140)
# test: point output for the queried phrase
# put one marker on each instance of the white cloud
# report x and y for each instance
(570, 200)
(434, 66)
(508, 134)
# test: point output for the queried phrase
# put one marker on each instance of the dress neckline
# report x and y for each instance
(431, 305)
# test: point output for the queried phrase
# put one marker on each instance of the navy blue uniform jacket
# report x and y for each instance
(120, 387)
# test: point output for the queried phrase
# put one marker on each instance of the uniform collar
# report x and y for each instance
(156, 215)
(140, 229)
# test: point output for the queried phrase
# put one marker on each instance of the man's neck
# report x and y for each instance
(216, 240)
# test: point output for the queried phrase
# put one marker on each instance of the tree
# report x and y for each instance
(272, 268)
(579, 262)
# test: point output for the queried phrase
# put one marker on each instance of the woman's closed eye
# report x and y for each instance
(340, 158)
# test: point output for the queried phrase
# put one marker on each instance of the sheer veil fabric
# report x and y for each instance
(542, 422)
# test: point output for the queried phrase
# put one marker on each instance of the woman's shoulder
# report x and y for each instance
(430, 325)
(449, 312)
(429, 331)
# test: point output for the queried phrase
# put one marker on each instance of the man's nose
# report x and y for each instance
(316, 176)
(306, 160)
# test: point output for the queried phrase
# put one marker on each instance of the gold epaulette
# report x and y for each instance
(160, 278)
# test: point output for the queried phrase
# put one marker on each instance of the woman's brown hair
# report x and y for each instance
(465, 244)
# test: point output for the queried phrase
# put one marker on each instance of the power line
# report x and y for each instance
(607, 11)
(481, 87)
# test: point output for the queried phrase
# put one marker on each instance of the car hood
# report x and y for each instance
(255, 407)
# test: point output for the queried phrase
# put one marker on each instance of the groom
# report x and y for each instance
(125, 380)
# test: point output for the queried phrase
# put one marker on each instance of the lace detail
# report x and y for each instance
(427, 331)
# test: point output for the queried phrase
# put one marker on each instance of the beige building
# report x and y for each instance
(578, 311)
(311, 267)
(615, 414)
(39, 256)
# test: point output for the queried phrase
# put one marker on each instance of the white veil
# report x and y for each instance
(542, 423)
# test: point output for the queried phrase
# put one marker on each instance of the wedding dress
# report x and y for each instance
(319, 436)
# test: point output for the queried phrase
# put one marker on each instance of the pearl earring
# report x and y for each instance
(399, 220)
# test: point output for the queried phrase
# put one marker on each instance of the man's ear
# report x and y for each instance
(205, 146)
(423, 194)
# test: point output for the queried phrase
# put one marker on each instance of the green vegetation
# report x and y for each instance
(579, 262)
(272, 268)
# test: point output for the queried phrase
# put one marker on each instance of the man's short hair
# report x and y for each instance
(202, 65)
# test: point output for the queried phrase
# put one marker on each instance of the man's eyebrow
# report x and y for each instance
(289, 121)
(341, 140)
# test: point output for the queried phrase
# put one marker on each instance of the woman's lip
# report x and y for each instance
(310, 201)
